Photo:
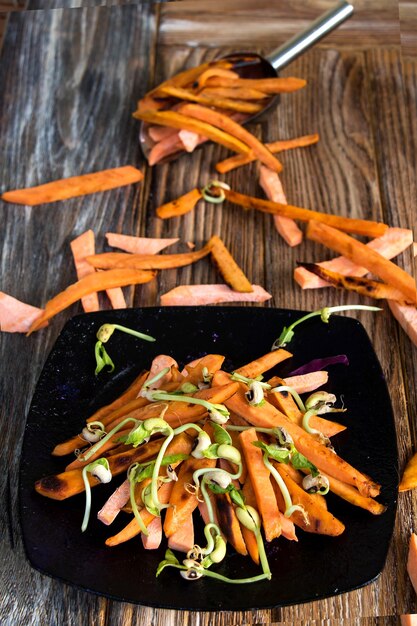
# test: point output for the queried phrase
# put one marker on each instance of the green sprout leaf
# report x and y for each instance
(299, 461)
(220, 435)
(288, 332)
(170, 560)
(102, 359)
(275, 452)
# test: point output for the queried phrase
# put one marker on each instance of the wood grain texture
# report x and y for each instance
(69, 80)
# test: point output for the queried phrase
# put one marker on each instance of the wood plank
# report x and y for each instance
(374, 23)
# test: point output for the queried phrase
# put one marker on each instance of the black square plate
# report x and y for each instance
(68, 392)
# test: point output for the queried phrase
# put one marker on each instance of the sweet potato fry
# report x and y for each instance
(17, 316)
(352, 495)
(409, 477)
(164, 148)
(117, 298)
(360, 254)
(81, 247)
(223, 122)
(351, 225)
(239, 93)
(211, 101)
(277, 146)
(267, 85)
(138, 245)
(229, 524)
(393, 242)
(263, 363)
(264, 492)
(183, 501)
(193, 295)
(217, 72)
(89, 284)
(122, 260)
(272, 186)
(75, 186)
(363, 286)
(180, 121)
(179, 206)
(320, 520)
(228, 267)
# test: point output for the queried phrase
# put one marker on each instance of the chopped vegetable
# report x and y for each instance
(90, 284)
(193, 295)
(138, 245)
(180, 206)
(223, 122)
(363, 255)
(228, 267)
(390, 244)
(363, 286)
(66, 188)
(277, 146)
(17, 316)
(81, 247)
(351, 225)
(119, 260)
(211, 101)
(287, 228)
(267, 85)
(182, 121)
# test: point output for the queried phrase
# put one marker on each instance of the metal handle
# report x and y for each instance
(323, 25)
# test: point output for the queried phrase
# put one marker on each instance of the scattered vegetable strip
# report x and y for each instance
(211, 101)
(277, 146)
(228, 267)
(66, 188)
(94, 282)
(363, 255)
(222, 121)
(358, 227)
(179, 206)
(119, 260)
(180, 121)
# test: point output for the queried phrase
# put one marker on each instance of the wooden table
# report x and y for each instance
(69, 80)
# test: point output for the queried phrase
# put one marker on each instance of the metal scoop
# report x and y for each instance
(251, 65)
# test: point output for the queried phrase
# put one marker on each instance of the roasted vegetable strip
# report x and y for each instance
(364, 256)
(263, 363)
(363, 286)
(319, 521)
(228, 267)
(75, 186)
(179, 206)
(120, 260)
(259, 476)
(277, 146)
(222, 121)
(267, 85)
(211, 101)
(348, 224)
(98, 281)
(180, 121)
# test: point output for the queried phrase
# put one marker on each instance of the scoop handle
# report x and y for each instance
(323, 25)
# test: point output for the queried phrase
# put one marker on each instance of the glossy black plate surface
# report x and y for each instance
(68, 392)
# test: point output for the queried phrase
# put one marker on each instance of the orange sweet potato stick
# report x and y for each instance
(75, 186)
(118, 260)
(267, 85)
(229, 524)
(223, 122)
(138, 245)
(180, 121)
(356, 226)
(179, 206)
(277, 146)
(227, 266)
(365, 256)
(263, 363)
(89, 284)
(211, 101)
(363, 286)
(81, 247)
(272, 186)
(239, 93)
(259, 476)
(217, 72)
